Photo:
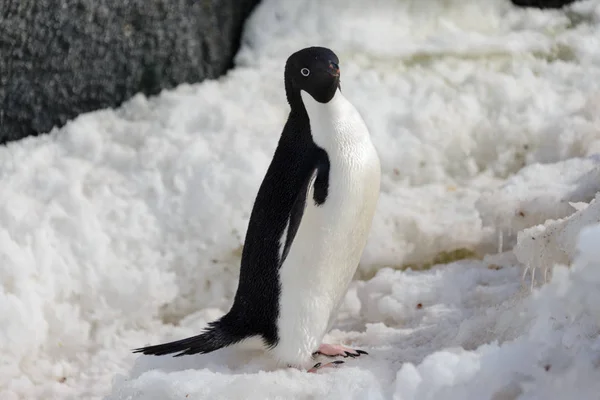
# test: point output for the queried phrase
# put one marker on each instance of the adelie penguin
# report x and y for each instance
(308, 226)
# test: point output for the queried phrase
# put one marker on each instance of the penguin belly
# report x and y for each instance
(326, 251)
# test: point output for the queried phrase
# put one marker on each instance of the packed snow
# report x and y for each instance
(481, 278)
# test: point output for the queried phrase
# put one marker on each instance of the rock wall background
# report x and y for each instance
(60, 58)
(542, 3)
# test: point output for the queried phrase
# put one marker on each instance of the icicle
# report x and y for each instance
(500, 240)
(525, 273)
(532, 278)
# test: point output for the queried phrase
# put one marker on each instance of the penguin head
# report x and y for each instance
(314, 70)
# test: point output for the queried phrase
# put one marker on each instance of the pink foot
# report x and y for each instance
(319, 366)
(334, 350)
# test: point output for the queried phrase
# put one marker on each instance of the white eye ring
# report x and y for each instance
(305, 71)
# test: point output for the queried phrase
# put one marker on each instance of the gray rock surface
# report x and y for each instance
(542, 3)
(61, 58)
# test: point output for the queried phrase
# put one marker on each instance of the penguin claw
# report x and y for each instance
(348, 354)
(319, 366)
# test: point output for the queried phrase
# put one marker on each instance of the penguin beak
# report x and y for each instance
(334, 69)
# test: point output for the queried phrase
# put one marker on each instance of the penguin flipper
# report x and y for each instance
(318, 178)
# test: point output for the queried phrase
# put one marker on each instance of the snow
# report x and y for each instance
(125, 227)
(555, 241)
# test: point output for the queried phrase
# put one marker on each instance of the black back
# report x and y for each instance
(282, 197)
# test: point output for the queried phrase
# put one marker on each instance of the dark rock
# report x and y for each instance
(542, 3)
(61, 58)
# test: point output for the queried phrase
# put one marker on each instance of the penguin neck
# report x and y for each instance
(334, 124)
(336, 108)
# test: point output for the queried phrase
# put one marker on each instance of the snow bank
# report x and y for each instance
(540, 192)
(556, 356)
(555, 242)
(537, 193)
(125, 227)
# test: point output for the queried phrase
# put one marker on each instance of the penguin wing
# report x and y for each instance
(318, 179)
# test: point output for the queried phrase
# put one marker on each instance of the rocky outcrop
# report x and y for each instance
(60, 58)
(542, 3)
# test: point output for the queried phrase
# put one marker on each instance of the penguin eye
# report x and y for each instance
(305, 71)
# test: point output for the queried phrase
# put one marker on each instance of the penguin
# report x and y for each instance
(308, 226)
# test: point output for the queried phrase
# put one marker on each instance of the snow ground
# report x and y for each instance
(125, 227)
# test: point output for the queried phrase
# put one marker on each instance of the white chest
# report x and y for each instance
(343, 222)
(354, 176)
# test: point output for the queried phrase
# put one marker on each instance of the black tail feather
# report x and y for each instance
(213, 338)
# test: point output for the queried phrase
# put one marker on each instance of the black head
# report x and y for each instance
(314, 70)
